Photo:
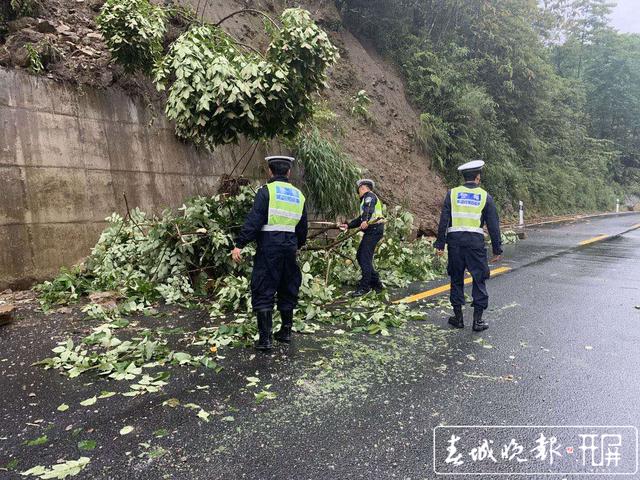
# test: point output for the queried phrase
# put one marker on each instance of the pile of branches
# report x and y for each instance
(181, 257)
(184, 258)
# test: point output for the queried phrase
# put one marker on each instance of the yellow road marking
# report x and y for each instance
(445, 288)
(599, 238)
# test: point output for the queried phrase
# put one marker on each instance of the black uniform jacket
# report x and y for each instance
(370, 201)
(470, 239)
(259, 216)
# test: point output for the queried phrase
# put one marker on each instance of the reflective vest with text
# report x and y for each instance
(286, 204)
(466, 209)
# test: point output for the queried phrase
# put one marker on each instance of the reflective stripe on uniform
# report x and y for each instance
(474, 216)
(279, 228)
(283, 213)
(465, 229)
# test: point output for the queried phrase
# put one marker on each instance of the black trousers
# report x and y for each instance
(366, 250)
(473, 259)
(276, 275)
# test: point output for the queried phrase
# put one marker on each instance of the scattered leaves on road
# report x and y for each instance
(63, 470)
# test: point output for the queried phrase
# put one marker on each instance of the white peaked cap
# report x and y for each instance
(279, 158)
(364, 181)
(472, 165)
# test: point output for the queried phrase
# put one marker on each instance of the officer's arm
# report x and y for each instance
(256, 219)
(491, 219)
(355, 223)
(445, 222)
(302, 228)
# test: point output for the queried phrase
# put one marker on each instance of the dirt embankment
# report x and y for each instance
(65, 34)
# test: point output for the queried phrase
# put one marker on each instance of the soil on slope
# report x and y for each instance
(65, 34)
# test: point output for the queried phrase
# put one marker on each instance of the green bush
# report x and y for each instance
(35, 62)
(24, 8)
(330, 175)
(360, 103)
(133, 31)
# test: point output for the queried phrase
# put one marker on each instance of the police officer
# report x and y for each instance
(466, 210)
(278, 223)
(370, 222)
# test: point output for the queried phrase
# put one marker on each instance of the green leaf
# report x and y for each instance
(69, 468)
(89, 401)
(38, 441)
(87, 444)
(126, 430)
(204, 415)
(63, 407)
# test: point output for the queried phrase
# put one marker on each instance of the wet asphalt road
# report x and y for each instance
(562, 350)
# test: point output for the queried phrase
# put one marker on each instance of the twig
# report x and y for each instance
(126, 203)
(338, 241)
(179, 234)
(323, 230)
(241, 158)
(250, 157)
(326, 275)
(247, 10)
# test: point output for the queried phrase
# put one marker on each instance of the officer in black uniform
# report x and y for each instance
(370, 210)
(278, 223)
(466, 242)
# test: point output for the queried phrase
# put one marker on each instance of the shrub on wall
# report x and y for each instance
(330, 174)
(133, 31)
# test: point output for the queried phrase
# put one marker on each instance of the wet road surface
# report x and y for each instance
(562, 350)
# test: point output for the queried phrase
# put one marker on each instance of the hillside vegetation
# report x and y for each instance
(548, 93)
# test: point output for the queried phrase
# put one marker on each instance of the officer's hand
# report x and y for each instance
(439, 252)
(364, 226)
(236, 255)
(495, 259)
(344, 227)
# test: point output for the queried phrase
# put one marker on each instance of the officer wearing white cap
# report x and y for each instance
(278, 224)
(465, 211)
(370, 222)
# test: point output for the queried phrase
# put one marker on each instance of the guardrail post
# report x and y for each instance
(521, 221)
(617, 205)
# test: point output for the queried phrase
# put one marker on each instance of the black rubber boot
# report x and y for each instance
(265, 322)
(378, 286)
(284, 334)
(360, 292)
(478, 324)
(457, 320)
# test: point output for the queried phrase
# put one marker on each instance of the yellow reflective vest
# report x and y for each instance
(466, 209)
(286, 204)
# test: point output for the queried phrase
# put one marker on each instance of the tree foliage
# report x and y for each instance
(330, 174)
(219, 91)
(527, 86)
(133, 31)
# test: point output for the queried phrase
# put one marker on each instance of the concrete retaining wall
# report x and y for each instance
(67, 155)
